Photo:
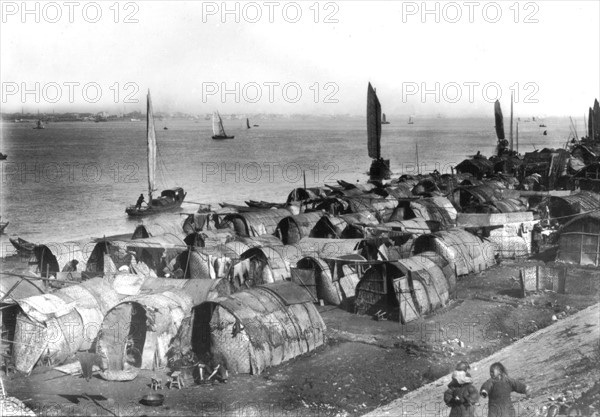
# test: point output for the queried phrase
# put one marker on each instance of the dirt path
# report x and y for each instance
(561, 357)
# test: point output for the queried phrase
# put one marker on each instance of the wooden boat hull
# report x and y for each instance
(22, 246)
(380, 169)
(218, 137)
(152, 210)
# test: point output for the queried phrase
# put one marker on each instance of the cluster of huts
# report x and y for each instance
(244, 282)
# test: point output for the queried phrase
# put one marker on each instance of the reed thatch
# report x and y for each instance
(255, 223)
(579, 239)
(465, 251)
(262, 327)
(293, 228)
(439, 209)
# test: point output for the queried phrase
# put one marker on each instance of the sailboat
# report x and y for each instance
(170, 199)
(247, 123)
(218, 130)
(410, 120)
(384, 120)
(380, 168)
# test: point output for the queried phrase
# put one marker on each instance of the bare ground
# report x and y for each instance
(364, 365)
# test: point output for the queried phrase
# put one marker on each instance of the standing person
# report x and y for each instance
(498, 388)
(461, 395)
(140, 200)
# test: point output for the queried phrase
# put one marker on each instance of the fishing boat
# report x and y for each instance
(22, 246)
(247, 123)
(169, 199)
(410, 120)
(384, 120)
(380, 168)
(255, 125)
(218, 130)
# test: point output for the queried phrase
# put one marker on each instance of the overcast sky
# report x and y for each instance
(301, 57)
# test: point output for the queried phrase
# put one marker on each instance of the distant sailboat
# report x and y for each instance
(410, 120)
(218, 130)
(384, 120)
(380, 168)
(247, 123)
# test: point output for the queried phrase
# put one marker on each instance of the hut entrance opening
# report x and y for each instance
(124, 335)
(201, 317)
(308, 274)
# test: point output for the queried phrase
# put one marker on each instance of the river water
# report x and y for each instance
(73, 180)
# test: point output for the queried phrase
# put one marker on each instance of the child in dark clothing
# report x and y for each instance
(461, 395)
(498, 388)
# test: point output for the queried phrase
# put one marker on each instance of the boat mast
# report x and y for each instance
(151, 139)
(511, 122)
(417, 151)
(517, 137)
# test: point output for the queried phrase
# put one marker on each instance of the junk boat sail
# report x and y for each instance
(247, 123)
(218, 130)
(410, 120)
(170, 199)
(380, 168)
(384, 120)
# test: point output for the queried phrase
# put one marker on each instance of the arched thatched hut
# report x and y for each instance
(314, 274)
(256, 223)
(345, 226)
(51, 258)
(564, 208)
(579, 240)
(108, 256)
(293, 228)
(263, 265)
(59, 324)
(258, 327)
(406, 289)
(439, 209)
(302, 194)
(465, 251)
(140, 329)
(172, 225)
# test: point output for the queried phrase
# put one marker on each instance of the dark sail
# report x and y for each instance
(499, 121)
(596, 119)
(373, 124)
(590, 123)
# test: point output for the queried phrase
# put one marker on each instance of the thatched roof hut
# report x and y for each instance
(258, 328)
(344, 226)
(466, 252)
(51, 258)
(293, 228)
(579, 240)
(140, 328)
(255, 223)
(564, 208)
(439, 209)
(406, 289)
(171, 225)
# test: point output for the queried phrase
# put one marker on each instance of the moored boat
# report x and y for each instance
(22, 246)
(170, 199)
